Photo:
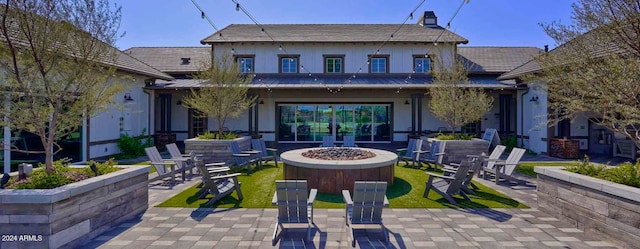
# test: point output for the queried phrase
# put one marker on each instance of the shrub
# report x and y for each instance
(131, 147)
(510, 142)
(587, 168)
(626, 173)
(462, 136)
(62, 175)
(225, 136)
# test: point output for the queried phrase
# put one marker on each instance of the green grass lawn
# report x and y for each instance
(406, 192)
(526, 168)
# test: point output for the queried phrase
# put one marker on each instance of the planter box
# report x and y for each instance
(71, 215)
(564, 148)
(600, 208)
(457, 150)
(213, 150)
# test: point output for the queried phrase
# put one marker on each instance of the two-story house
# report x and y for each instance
(312, 80)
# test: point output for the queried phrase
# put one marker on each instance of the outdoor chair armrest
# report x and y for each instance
(386, 201)
(494, 160)
(449, 170)
(250, 152)
(241, 155)
(214, 164)
(347, 197)
(274, 200)
(225, 176)
(312, 196)
(440, 154)
(163, 163)
(473, 156)
(503, 163)
(420, 151)
(272, 149)
(218, 170)
(400, 150)
(178, 159)
(455, 165)
(440, 176)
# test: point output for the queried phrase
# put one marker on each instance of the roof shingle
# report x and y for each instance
(169, 59)
(332, 33)
(496, 59)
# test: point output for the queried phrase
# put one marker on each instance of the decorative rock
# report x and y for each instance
(338, 154)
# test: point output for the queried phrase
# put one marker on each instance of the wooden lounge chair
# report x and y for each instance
(448, 186)
(434, 155)
(504, 168)
(244, 158)
(349, 141)
(369, 199)
(327, 141)
(467, 184)
(218, 183)
(266, 154)
(164, 168)
(183, 161)
(293, 205)
(411, 153)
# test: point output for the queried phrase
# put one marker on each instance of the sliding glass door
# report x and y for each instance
(311, 122)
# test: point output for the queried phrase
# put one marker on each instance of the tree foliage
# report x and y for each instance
(223, 93)
(594, 70)
(59, 65)
(453, 99)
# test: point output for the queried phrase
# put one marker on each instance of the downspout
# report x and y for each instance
(149, 109)
(522, 117)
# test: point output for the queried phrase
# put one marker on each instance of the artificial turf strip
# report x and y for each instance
(406, 192)
(526, 168)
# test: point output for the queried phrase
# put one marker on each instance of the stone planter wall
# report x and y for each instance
(71, 215)
(600, 208)
(457, 150)
(214, 151)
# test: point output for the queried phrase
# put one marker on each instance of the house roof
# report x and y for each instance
(332, 33)
(526, 68)
(172, 59)
(127, 63)
(319, 81)
(496, 59)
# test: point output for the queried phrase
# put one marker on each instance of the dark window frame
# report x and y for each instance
(421, 56)
(282, 56)
(387, 64)
(332, 56)
(243, 56)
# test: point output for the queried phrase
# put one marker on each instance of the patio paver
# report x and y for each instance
(409, 228)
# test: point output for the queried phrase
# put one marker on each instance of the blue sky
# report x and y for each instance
(148, 23)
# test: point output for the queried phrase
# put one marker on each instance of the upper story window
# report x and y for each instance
(379, 64)
(245, 63)
(421, 64)
(333, 63)
(289, 63)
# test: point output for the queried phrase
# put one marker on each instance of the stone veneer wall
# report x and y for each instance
(71, 215)
(599, 207)
(457, 150)
(214, 151)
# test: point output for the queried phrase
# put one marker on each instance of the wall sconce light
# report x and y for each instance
(127, 97)
(534, 98)
(261, 102)
(179, 102)
(406, 102)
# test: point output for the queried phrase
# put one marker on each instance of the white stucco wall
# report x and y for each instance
(532, 118)
(311, 55)
(105, 128)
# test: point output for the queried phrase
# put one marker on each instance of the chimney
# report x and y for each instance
(546, 48)
(428, 19)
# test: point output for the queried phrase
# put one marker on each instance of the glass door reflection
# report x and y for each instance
(324, 122)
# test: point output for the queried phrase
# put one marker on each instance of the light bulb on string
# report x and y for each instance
(280, 47)
(237, 6)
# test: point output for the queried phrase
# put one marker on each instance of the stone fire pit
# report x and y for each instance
(331, 170)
